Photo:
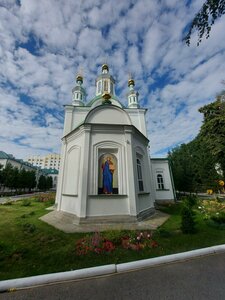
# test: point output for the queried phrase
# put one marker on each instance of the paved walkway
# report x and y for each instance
(17, 197)
(67, 223)
(202, 278)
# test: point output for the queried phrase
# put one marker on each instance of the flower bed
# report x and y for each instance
(98, 243)
(212, 210)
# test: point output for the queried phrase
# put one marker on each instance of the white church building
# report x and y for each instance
(106, 173)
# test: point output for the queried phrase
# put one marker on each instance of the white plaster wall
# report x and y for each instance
(108, 114)
(144, 199)
(74, 116)
(70, 204)
(69, 190)
(72, 171)
(79, 115)
(3, 162)
(162, 167)
(78, 187)
(137, 117)
(18, 165)
(144, 202)
(15, 164)
(108, 205)
(58, 198)
(68, 119)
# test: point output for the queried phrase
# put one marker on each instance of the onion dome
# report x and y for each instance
(132, 95)
(78, 92)
(105, 68)
(105, 83)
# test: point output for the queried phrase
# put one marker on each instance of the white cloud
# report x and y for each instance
(44, 43)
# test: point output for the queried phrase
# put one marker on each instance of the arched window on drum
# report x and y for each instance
(140, 177)
(160, 182)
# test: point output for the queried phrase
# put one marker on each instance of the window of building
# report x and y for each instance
(105, 87)
(160, 182)
(140, 177)
(111, 87)
(99, 87)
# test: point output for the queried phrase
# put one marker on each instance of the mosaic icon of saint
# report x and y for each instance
(107, 174)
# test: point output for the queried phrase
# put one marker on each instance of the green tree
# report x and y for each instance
(42, 183)
(8, 175)
(15, 179)
(49, 182)
(31, 180)
(205, 18)
(193, 167)
(1, 176)
(182, 168)
(22, 179)
(193, 164)
(212, 132)
(188, 224)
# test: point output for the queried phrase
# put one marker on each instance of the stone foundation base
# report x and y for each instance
(111, 219)
(164, 202)
(149, 219)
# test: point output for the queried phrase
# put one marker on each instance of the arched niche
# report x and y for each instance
(107, 174)
(72, 170)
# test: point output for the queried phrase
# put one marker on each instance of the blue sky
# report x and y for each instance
(43, 44)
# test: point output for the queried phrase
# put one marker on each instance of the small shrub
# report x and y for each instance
(164, 233)
(219, 219)
(190, 200)
(188, 221)
(29, 228)
(8, 202)
(26, 202)
(219, 200)
(24, 216)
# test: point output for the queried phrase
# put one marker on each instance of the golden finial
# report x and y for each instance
(105, 67)
(130, 80)
(79, 76)
(106, 96)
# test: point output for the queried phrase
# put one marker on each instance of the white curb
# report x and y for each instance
(12, 284)
(168, 258)
(55, 277)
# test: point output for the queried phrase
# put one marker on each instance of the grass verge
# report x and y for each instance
(30, 247)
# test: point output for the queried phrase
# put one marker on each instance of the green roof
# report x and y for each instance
(50, 171)
(3, 155)
(100, 97)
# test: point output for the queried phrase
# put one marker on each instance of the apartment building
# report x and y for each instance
(50, 161)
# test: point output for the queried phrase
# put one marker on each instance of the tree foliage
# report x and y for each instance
(188, 224)
(212, 132)
(205, 18)
(193, 167)
(44, 183)
(193, 164)
(15, 179)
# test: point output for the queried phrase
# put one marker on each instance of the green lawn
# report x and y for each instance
(29, 246)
